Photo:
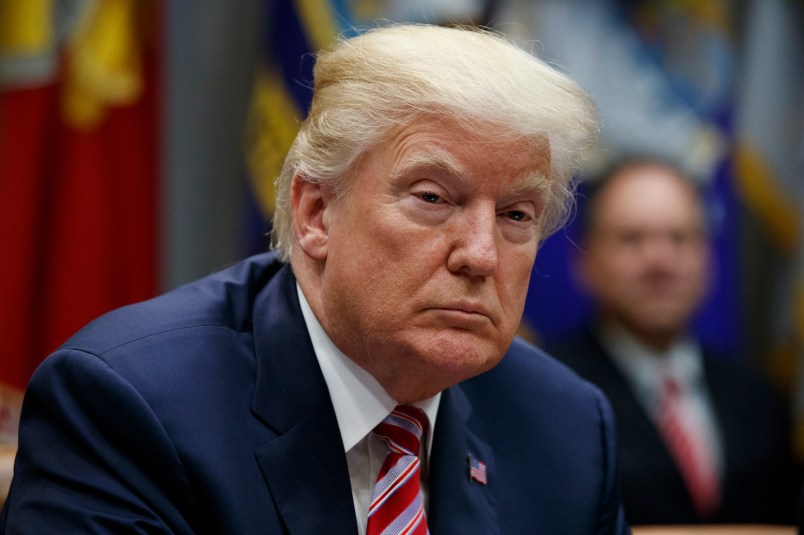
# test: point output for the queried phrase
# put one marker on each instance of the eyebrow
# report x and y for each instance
(530, 182)
(430, 161)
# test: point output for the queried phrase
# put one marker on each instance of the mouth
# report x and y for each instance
(662, 287)
(468, 307)
(464, 314)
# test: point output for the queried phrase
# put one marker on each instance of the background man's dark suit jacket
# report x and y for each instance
(205, 411)
(755, 428)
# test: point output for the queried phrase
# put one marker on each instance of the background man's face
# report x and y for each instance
(429, 254)
(646, 256)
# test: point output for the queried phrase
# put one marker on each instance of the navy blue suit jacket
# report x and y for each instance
(205, 411)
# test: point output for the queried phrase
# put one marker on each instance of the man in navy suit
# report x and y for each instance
(645, 262)
(410, 207)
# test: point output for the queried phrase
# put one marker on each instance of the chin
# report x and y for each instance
(441, 365)
(467, 360)
(452, 354)
(657, 317)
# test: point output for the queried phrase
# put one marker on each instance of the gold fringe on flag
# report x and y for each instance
(104, 62)
(272, 124)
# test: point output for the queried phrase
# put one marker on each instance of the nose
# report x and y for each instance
(658, 249)
(474, 243)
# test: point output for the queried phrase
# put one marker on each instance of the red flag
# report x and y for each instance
(78, 180)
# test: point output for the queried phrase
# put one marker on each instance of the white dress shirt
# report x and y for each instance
(645, 370)
(360, 404)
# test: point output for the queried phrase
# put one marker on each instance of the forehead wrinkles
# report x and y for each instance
(533, 178)
(428, 160)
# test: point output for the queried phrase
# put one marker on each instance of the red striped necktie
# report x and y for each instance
(692, 453)
(396, 503)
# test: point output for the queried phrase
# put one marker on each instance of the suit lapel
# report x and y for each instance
(308, 477)
(304, 466)
(458, 504)
(722, 391)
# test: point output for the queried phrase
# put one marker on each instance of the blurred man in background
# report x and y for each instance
(702, 438)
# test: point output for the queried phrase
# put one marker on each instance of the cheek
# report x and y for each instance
(615, 279)
(697, 265)
(621, 269)
(513, 284)
(698, 277)
(604, 270)
(378, 272)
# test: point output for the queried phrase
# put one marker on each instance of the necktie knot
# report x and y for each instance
(402, 429)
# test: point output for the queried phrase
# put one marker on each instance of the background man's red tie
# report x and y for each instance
(396, 504)
(691, 453)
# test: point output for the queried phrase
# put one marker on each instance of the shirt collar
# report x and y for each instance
(359, 400)
(646, 367)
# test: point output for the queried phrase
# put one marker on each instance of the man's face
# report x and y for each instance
(429, 254)
(646, 255)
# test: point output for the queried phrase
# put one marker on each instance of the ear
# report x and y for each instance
(308, 203)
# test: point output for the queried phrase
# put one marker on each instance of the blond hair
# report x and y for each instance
(390, 77)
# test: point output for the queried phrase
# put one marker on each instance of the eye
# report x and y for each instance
(430, 197)
(516, 215)
(630, 238)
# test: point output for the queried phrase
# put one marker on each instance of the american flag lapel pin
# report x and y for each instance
(477, 470)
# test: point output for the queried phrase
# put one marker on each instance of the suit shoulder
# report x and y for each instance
(541, 397)
(224, 299)
(741, 379)
(580, 351)
(526, 369)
